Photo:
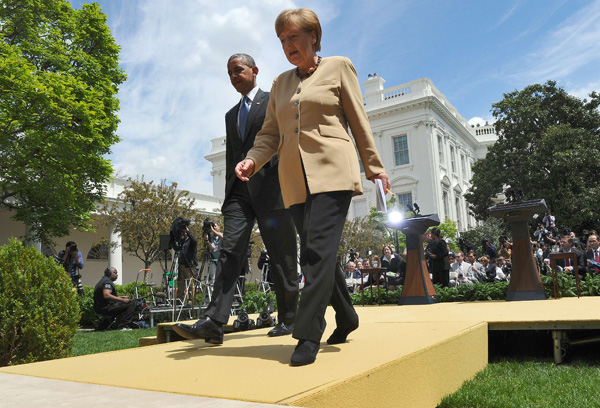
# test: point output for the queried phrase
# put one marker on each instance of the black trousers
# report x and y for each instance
(124, 312)
(278, 234)
(320, 222)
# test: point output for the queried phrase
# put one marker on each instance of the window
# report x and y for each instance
(452, 159)
(463, 165)
(401, 150)
(403, 200)
(98, 251)
(441, 149)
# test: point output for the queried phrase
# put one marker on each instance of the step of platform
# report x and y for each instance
(387, 362)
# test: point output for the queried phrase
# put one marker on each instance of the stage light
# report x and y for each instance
(395, 216)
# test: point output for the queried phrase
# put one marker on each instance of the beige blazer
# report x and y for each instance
(307, 125)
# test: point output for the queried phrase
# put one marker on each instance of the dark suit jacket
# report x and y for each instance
(581, 263)
(591, 269)
(439, 248)
(264, 185)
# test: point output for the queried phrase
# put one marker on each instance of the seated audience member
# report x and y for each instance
(108, 303)
(375, 262)
(395, 279)
(350, 272)
(476, 268)
(391, 262)
(460, 268)
(500, 270)
(566, 246)
(593, 254)
(489, 270)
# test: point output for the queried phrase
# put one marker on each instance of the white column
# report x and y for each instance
(29, 242)
(115, 256)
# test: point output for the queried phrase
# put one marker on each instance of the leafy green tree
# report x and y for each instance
(492, 229)
(59, 76)
(450, 233)
(362, 234)
(548, 146)
(143, 211)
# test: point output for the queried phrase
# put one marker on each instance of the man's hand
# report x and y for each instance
(125, 299)
(244, 169)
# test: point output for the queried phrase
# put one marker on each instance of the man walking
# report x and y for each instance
(260, 200)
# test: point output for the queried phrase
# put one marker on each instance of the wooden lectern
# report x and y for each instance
(418, 288)
(525, 281)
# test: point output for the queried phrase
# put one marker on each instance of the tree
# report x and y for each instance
(549, 147)
(492, 228)
(143, 211)
(361, 235)
(59, 77)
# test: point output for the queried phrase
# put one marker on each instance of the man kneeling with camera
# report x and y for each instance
(107, 303)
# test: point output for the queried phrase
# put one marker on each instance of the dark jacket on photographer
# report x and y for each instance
(187, 256)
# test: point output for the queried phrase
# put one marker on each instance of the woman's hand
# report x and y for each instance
(385, 180)
(244, 169)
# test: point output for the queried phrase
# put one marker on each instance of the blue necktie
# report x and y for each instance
(243, 117)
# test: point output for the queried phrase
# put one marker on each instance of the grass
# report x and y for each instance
(92, 342)
(521, 372)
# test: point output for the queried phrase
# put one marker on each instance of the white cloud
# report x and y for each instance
(573, 46)
(177, 92)
(584, 91)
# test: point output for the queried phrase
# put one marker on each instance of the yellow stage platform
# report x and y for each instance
(401, 356)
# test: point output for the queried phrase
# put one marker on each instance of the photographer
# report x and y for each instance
(71, 259)
(187, 261)
(213, 236)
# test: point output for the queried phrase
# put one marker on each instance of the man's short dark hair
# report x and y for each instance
(108, 271)
(245, 58)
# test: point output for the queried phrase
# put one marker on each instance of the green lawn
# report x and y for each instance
(522, 373)
(91, 342)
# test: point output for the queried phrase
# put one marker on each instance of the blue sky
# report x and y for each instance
(175, 52)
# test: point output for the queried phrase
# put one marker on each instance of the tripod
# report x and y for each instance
(264, 285)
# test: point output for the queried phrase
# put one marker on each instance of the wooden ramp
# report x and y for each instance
(401, 356)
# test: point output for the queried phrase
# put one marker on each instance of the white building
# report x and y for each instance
(427, 147)
(96, 256)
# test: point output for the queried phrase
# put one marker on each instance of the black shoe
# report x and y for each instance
(339, 335)
(281, 329)
(304, 353)
(204, 328)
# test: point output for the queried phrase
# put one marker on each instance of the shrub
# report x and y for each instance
(39, 312)
(256, 302)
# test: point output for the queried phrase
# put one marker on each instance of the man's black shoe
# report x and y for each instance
(204, 328)
(304, 353)
(339, 335)
(281, 329)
